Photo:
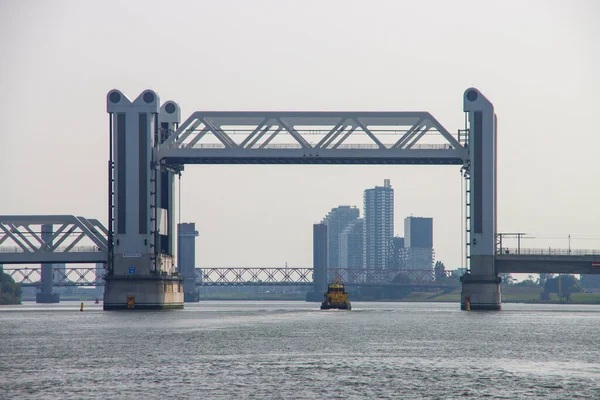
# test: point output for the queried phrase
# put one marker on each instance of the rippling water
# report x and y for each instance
(292, 350)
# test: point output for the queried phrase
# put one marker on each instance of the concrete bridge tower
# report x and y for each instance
(141, 271)
(482, 285)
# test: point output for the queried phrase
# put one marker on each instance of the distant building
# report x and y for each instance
(398, 253)
(418, 241)
(378, 228)
(337, 220)
(351, 245)
(418, 258)
(418, 232)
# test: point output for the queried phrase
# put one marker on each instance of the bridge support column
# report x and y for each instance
(141, 271)
(186, 259)
(45, 294)
(481, 285)
(319, 263)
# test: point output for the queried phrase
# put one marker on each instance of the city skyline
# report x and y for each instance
(371, 242)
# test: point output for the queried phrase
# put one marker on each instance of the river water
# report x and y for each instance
(292, 350)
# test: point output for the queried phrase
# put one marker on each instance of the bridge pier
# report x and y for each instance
(319, 263)
(186, 259)
(141, 271)
(481, 285)
(45, 293)
(482, 290)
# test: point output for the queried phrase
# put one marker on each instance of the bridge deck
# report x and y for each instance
(555, 261)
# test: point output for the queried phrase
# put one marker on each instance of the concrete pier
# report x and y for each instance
(319, 263)
(141, 267)
(45, 293)
(186, 259)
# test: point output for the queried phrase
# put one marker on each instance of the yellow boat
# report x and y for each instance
(336, 296)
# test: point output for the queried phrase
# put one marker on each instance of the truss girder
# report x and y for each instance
(253, 276)
(22, 243)
(312, 138)
(28, 277)
(291, 276)
(238, 276)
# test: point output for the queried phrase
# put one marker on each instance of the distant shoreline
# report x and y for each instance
(510, 295)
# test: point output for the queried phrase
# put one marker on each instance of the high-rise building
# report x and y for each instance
(418, 240)
(351, 245)
(336, 220)
(398, 252)
(418, 232)
(378, 227)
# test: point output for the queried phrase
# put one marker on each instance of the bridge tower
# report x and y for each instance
(481, 284)
(141, 271)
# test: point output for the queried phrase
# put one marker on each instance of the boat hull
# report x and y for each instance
(338, 306)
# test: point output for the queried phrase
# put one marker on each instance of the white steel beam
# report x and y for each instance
(314, 138)
(29, 247)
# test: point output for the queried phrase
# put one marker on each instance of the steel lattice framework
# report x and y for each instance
(296, 276)
(222, 137)
(237, 276)
(253, 276)
(28, 277)
(76, 240)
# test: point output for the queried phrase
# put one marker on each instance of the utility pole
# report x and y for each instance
(569, 244)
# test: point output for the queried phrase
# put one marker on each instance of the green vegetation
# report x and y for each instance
(510, 294)
(10, 292)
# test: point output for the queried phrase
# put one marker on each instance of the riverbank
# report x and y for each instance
(528, 295)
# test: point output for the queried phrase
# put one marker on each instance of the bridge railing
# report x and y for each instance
(281, 146)
(548, 252)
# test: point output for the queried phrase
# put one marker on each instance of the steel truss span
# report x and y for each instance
(253, 276)
(32, 239)
(32, 277)
(301, 276)
(220, 137)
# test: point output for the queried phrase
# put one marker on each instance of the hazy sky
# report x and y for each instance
(537, 61)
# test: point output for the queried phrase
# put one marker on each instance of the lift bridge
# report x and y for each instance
(149, 146)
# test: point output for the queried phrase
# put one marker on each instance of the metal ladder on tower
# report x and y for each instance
(463, 138)
(467, 183)
(111, 215)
